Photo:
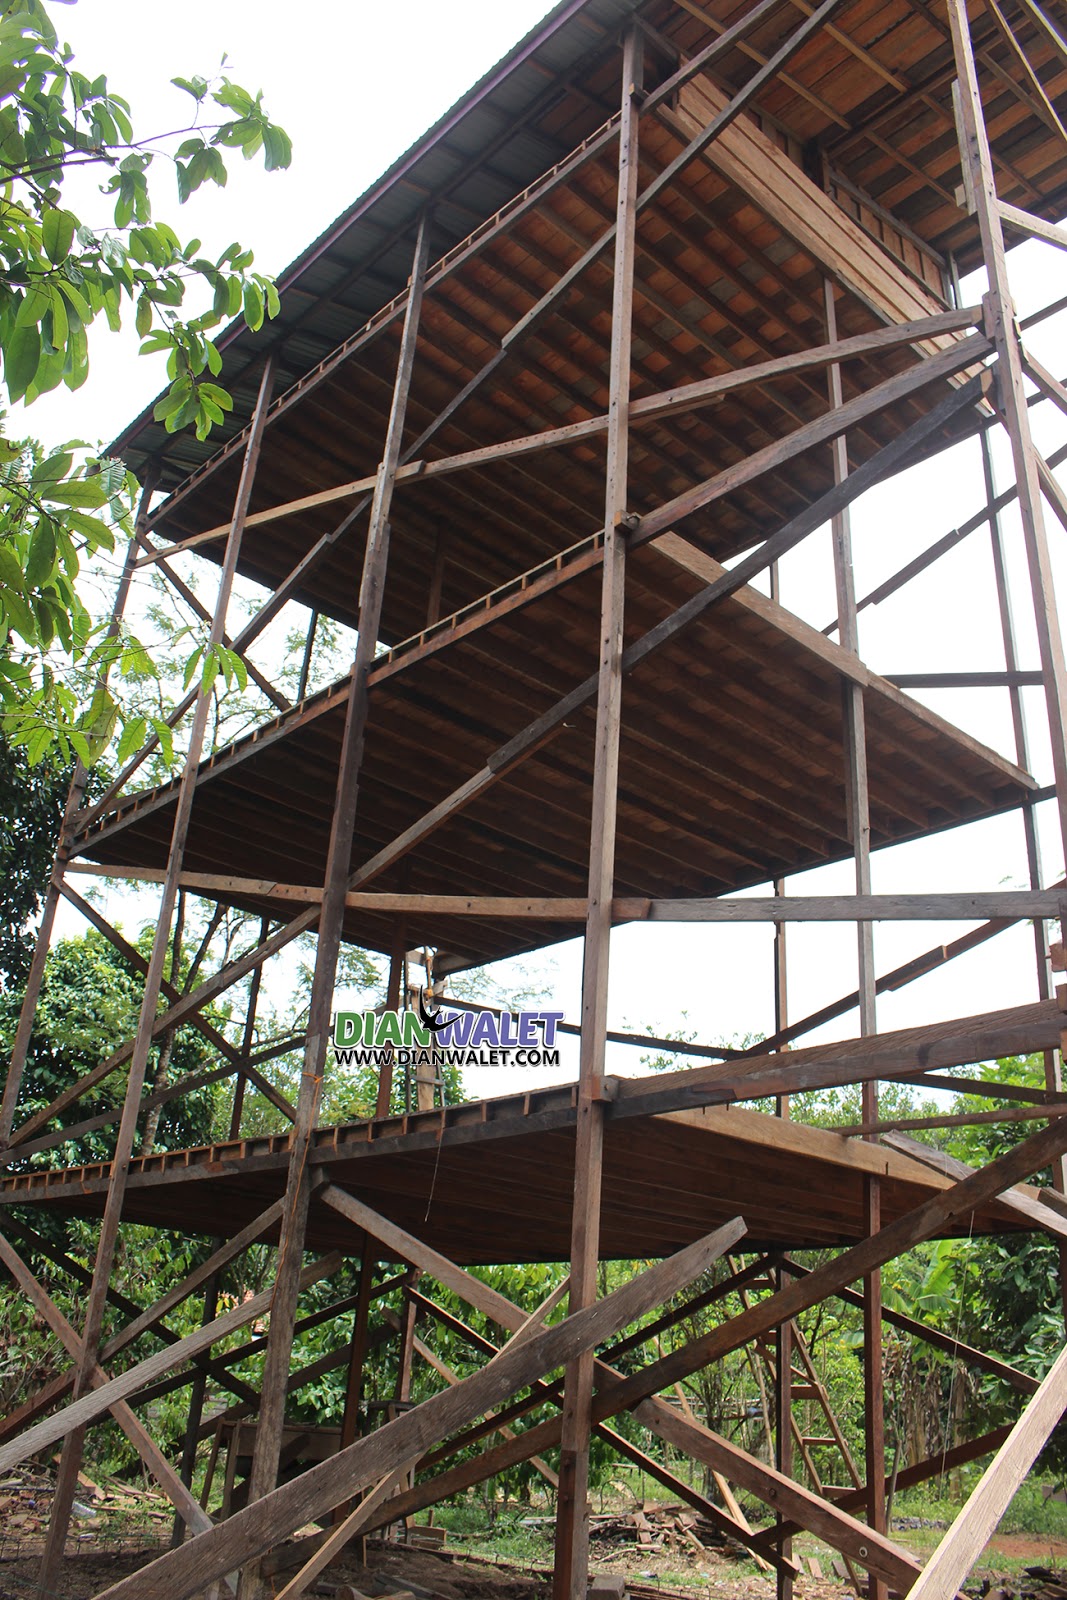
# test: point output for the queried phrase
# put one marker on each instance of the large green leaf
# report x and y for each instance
(22, 356)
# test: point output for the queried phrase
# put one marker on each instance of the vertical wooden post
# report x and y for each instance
(437, 578)
(299, 1184)
(1051, 1058)
(35, 977)
(572, 1521)
(246, 1042)
(783, 1433)
(392, 1003)
(977, 162)
(197, 1393)
(358, 1347)
(309, 650)
(855, 741)
(402, 1391)
(70, 1460)
(1001, 325)
(198, 1389)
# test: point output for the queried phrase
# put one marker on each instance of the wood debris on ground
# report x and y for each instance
(108, 1514)
(1033, 1583)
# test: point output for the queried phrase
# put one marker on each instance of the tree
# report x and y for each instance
(31, 810)
(59, 277)
(89, 1004)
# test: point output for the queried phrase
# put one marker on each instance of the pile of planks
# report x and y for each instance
(657, 1525)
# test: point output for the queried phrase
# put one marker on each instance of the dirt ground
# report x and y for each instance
(445, 1577)
(454, 1576)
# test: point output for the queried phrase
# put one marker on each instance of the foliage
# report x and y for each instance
(89, 1003)
(31, 810)
(58, 277)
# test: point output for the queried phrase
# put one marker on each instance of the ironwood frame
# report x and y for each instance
(592, 1391)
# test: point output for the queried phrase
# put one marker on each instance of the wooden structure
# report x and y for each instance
(656, 302)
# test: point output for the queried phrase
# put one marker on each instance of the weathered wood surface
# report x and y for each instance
(269, 1520)
(90, 1406)
(977, 1519)
(1018, 1030)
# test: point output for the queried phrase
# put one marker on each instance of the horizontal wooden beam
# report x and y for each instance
(1034, 227)
(849, 908)
(994, 903)
(965, 680)
(960, 1119)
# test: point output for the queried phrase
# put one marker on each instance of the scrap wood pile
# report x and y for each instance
(108, 1513)
(658, 1525)
(1034, 1583)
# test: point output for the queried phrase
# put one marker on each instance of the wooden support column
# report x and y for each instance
(571, 1569)
(392, 1003)
(783, 1435)
(70, 1461)
(35, 977)
(299, 1185)
(1002, 325)
(859, 821)
(358, 1352)
(309, 650)
(198, 1391)
(1003, 329)
(249, 1030)
(1051, 1058)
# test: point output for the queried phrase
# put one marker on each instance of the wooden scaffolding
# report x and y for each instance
(658, 300)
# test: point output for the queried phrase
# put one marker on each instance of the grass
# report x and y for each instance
(520, 1532)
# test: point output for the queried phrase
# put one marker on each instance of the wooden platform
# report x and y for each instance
(492, 1180)
(703, 807)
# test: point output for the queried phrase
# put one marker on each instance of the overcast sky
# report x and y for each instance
(355, 84)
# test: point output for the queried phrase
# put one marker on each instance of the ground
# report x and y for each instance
(119, 1528)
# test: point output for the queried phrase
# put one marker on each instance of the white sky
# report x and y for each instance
(355, 84)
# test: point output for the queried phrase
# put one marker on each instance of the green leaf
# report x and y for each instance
(133, 737)
(57, 233)
(144, 315)
(11, 574)
(22, 357)
(51, 471)
(277, 147)
(95, 530)
(77, 300)
(35, 303)
(197, 87)
(60, 321)
(165, 735)
(253, 306)
(81, 492)
(191, 666)
(20, 616)
(42, 556)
